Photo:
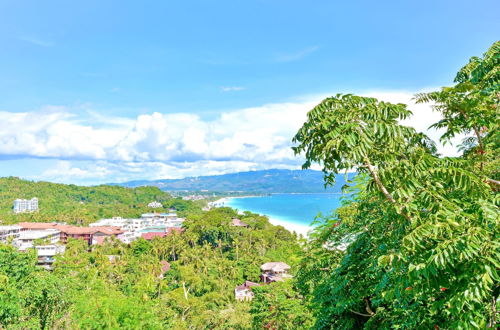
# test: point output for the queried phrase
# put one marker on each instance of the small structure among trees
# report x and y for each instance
(244, 292)
(274, 271)
(235, 222)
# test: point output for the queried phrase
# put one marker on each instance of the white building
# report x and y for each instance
(27, 238)
(25, 205)
(46, 254)
(155, 205)
(9, 231)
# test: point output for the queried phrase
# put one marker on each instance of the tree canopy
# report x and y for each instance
(422, 230)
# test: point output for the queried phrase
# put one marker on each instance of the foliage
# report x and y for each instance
(91, 290)
(418, 246)
(279, 306)
(75, 204)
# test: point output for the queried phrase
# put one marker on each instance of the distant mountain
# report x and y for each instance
(267, 181)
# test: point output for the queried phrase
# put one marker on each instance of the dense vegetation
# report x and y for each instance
(422, 233)
(208, 260)
(259, 182)
(76, 204)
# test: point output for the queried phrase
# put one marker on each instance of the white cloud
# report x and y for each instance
(37, 41)
(157, 145)
(232, 88)
(295, 56)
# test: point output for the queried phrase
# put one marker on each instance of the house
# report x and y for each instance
(244, 292)
(238, 223)
(165, 267)
(6, 232)
(27, 238)
(274, 271)
(46, 254)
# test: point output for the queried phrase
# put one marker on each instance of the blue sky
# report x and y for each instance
(99, 91)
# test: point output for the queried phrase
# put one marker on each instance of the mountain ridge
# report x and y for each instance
(262, 181)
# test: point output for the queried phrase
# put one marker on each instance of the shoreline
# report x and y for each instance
(290, 226)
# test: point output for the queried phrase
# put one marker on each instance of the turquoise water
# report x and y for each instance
(298, 209)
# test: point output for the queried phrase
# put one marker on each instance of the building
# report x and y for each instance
(165, 267)
(155, 205)
(27, 238)
(9, 232)
(93, 235)
(244, 292)
(46, 254)
(151, 235)
(274, 271)
(238, 223)
(25, 205)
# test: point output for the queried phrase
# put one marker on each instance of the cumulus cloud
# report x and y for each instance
(172, 145)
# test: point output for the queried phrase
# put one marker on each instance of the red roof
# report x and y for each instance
(151, 235)
(72, 230)
(38, 225)
(170, 230)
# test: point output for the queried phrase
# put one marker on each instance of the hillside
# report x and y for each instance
(267, 181)
(75, 204)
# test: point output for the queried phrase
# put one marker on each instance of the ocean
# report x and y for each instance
(295, 212)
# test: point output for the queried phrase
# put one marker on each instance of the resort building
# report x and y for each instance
(25, 205)
(244, 292)
(93, 235)
(9, 232)
(27, 238)
(274, 271)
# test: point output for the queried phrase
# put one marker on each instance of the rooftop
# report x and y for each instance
(35, 234)
(275, 266)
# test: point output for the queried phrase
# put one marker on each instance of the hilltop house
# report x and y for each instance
(274, 271)
(244, 292)
(238, 223)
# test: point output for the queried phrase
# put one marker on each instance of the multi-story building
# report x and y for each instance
(9, 232)
(27, 238)
(25, 205)
(93, 235)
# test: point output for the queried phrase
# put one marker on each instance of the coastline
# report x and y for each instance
(290, 226)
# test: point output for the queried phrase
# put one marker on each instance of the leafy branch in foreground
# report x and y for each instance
(423, 231)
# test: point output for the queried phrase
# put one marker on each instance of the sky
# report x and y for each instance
(111, 91)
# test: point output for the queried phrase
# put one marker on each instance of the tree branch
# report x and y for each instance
(381, 186)
(358, 313)
(495, 182)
